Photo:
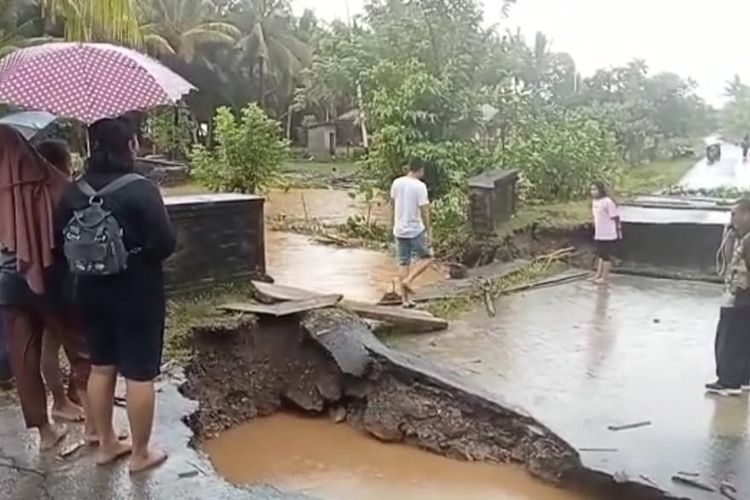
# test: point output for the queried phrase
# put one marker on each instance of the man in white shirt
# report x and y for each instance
(411, 227)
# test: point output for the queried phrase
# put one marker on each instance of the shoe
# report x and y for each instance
(721, 390)
(745, 387)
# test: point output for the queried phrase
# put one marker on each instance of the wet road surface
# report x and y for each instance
(187, 475)
(336, 462)
(581, 358)
(295, 260)
(729, 172)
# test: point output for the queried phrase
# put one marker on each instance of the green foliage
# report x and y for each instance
(561, 154)
(248, 155)
(644, 110)
(167, 137)
(735, 117)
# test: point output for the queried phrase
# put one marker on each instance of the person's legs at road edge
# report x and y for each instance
(417, 248)
(421, 250)
(101, 336)
(69, 332)
(403, 256)
(733, 348)
(62, 407)
(604, 252)
(24, 330)
(140, 347)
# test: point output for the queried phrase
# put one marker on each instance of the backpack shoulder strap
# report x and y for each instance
(86, 188)
(119, 183)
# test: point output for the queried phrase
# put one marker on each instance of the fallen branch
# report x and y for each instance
(728, 492)
(648, 480)
(694, 483)
(626, 427)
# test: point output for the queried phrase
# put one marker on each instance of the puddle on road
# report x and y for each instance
(319, 458)
(295, 260)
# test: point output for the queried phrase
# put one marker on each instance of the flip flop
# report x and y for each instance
(94, 441)
(163, 456)
(59, 416)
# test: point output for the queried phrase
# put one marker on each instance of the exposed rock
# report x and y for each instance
(330, 361)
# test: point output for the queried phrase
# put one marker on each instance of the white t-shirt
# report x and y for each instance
(408, 195)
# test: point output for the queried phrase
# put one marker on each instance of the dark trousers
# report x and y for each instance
(24, 328)
(732, 346)
(5, 373)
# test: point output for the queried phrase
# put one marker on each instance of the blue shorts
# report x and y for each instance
(412, 248)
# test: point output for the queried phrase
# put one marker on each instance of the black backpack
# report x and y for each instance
(93, 244)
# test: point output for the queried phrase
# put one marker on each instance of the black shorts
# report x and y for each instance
(606, 249)
(128, 337)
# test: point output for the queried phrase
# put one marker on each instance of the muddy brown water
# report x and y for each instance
(296, 260)
(331, 206)
(322, 459)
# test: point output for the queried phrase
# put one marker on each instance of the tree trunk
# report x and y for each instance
(261, 76)
(210, 132)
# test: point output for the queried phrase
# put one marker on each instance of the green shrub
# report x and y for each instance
(561, 154)
(248, 153)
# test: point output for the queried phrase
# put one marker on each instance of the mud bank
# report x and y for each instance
(328, 362)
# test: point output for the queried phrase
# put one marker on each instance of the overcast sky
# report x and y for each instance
(709, 41)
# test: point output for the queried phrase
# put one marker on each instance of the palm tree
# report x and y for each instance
(269, 47)
(178, 27)
(736, 88)
(12, 34)
(97, 20)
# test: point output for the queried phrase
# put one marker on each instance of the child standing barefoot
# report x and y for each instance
(607, 230)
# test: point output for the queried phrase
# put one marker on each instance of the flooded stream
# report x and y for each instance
(319, 458)
(296, 260)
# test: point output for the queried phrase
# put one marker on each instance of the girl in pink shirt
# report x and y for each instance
(607, 230)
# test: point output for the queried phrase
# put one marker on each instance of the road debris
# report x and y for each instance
(694, 483)
(626, 427)
(71, 449)
(648, 480)
(688, 474)
(728, 491)
(598, 450)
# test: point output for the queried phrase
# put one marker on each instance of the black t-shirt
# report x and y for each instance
(140, 210)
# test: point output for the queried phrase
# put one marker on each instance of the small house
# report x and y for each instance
(321, 141)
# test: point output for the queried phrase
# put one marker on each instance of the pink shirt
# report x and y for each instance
(605, 225)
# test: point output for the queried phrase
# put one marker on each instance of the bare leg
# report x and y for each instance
(62, 407)
(403, 275)
(606, 268)
(141, 402)
(101, 395)
(24, 329)
(418, 270)
(598, 275)
(603, 274)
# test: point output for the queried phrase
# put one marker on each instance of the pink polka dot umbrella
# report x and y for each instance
(87, 81)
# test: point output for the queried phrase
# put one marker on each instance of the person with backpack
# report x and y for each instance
(116, 233)
(30, 263)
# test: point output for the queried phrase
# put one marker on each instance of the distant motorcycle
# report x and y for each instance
(713, 153)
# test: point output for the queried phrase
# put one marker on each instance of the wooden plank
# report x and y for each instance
(284, 308)
(416, 320)
(272, 292)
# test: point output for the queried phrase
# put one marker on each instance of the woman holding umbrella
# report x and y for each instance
(122, 307)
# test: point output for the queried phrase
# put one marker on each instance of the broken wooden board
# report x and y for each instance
(415, 320)
(284, 308)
